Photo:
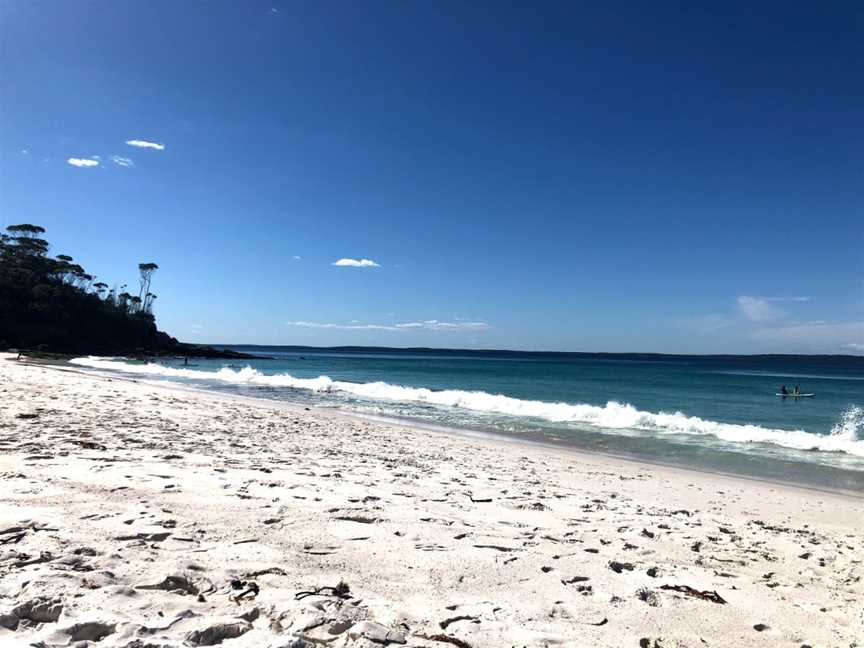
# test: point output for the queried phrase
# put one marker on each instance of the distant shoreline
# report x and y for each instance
(552, 354)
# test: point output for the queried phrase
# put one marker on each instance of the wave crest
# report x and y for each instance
(845, 436)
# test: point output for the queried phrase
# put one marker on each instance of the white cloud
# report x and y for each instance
(788, 299)
(435, 325)
(356, 263)
(122, 161)
(297, 257)
(343, 327)
(146, 144)
(82, 162)
(197, 327)
(854, 346)
(24, 152)
(762, 309)
(427, 325)
(758, 309)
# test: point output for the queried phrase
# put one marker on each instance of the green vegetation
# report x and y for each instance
(54, 304)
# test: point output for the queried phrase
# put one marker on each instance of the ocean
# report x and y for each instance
(714, 413)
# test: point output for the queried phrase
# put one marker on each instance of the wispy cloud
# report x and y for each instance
(758, 310)
(855, 347)
(146, 144)
(819, 334)
(343, 327)
(788, 299)
(763, 309)
(356, 263)
(435, 325)
(119, 160)
(83, 163)
(197, 327)
(296, 257)
(426, 325)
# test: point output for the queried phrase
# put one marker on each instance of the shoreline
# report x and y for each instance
(132, 508)
(466, 432)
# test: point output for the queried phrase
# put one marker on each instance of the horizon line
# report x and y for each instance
(344, 347)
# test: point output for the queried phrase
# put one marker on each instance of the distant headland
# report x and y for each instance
(52, 305)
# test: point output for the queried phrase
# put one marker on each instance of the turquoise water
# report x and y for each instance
(714, 413)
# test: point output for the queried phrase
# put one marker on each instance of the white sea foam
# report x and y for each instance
(846, 436)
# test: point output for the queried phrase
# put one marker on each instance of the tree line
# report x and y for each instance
(53, 303)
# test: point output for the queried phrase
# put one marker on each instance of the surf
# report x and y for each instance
(845, 437)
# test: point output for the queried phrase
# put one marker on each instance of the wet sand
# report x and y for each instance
(143, 516)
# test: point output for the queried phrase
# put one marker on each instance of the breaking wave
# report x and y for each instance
(847, 436)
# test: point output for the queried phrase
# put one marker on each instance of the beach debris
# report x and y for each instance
(361, 519)
(278, 571)
(598, 623)
(761, 627)
(645, 642)
(462, 617)
(496, 547)
(14, 538)
(619, 567)
(251, 589)
(574, 579)
(299, 642)
(443, 638)
(342, 591)
(705, 595)
(376, 633)
(89, 445)
(536, 506)
(648, 596)
(149, 537)
(216, 634)
(45, 556)
(653, 571)
(180, 583)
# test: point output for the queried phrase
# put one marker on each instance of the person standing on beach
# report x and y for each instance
(797, 390)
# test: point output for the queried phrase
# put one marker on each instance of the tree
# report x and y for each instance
(25, 230)
(146, 270)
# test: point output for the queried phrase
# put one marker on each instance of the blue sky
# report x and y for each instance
(562, 176)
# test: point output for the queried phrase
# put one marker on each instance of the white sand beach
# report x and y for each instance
(145, 516)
